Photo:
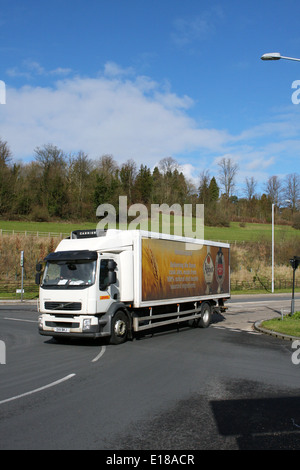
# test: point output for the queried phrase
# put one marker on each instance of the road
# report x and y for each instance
(225, 387)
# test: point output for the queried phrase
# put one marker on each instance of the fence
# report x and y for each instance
(279, 284)
(8, 289)
(41, 234)
(37, 234)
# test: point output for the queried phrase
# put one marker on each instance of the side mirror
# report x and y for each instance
(108, 276)
(111, 265)
(38, 267)
(112, 277)
(38, 278)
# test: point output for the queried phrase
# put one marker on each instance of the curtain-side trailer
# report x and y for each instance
(120, 282)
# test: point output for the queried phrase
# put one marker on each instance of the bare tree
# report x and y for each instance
(227, 173)
(128, 175)
(107, 166)
(79, 170)
(204, 187)
(250, 187)
(167, 165)
(273, 189)
(5, 153)
(292, 190)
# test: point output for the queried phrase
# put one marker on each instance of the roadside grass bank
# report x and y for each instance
(288, 325)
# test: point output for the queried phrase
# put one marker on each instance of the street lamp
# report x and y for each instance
(273, 248)
(276, 56)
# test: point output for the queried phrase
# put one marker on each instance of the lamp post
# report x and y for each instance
(276, 56)
(272, 248)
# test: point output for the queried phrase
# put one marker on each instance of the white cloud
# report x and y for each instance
(31, 69)
(189, 30)
(134, 117)
(126, 118)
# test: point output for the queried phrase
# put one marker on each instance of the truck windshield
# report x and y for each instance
(69, 274)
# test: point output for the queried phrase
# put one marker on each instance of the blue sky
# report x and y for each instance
(148, 79)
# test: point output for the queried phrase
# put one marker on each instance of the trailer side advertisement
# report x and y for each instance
(174, 269)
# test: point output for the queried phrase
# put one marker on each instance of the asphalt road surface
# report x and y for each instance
(225, 387)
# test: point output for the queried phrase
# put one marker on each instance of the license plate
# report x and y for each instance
(60, 329)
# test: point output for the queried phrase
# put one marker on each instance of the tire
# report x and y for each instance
(119, 328)
(205, 319)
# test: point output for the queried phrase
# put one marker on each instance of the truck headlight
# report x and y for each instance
(40, 322)
(86, 325)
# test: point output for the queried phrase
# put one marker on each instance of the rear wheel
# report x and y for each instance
(119, 328)
(205, 319)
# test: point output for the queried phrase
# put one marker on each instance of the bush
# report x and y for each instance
(215, 217)
(296, 221)
(40, 214)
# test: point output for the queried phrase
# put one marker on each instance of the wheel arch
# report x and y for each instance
(116, 307)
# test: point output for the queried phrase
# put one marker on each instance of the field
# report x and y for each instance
(234, 233)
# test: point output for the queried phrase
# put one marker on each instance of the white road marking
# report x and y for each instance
(20, 319)
(57, 382)
(103, 349)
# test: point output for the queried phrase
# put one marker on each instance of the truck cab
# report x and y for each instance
(80, 290)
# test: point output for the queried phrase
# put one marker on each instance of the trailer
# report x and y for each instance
(117, 283)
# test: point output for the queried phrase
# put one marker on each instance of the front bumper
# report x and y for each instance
(78, 327)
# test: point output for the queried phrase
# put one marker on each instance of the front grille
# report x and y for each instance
(63, 306)
(54, 324)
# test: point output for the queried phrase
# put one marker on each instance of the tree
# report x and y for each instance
(227, 172)
(273, 188)
(167, 165)
(292, 190)
(157, 187)
(250, 187)
(6, 183)
(214, 190)
(204, 195)
(79, 184)
(52, 162)
(143, 185)
(5, 154)
(128, 174)
(179, 187)
(29, 195)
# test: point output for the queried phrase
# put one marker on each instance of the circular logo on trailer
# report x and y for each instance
(208, 269)
(220, 267)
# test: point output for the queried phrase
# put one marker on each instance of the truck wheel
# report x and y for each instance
(119, 328)
(205, 319)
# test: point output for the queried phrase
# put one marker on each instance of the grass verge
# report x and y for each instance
(289, 325)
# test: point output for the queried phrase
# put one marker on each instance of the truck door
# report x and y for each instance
(108, 283)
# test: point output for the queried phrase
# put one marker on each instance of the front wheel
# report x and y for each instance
(119, 328)
(205, 319)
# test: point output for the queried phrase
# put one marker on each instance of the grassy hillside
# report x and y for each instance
(250, 232)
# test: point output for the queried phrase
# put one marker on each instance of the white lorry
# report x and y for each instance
(120, 282)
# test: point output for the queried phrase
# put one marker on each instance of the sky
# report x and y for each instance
(149, 79)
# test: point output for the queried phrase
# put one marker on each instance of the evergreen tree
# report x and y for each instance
(214, 190)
